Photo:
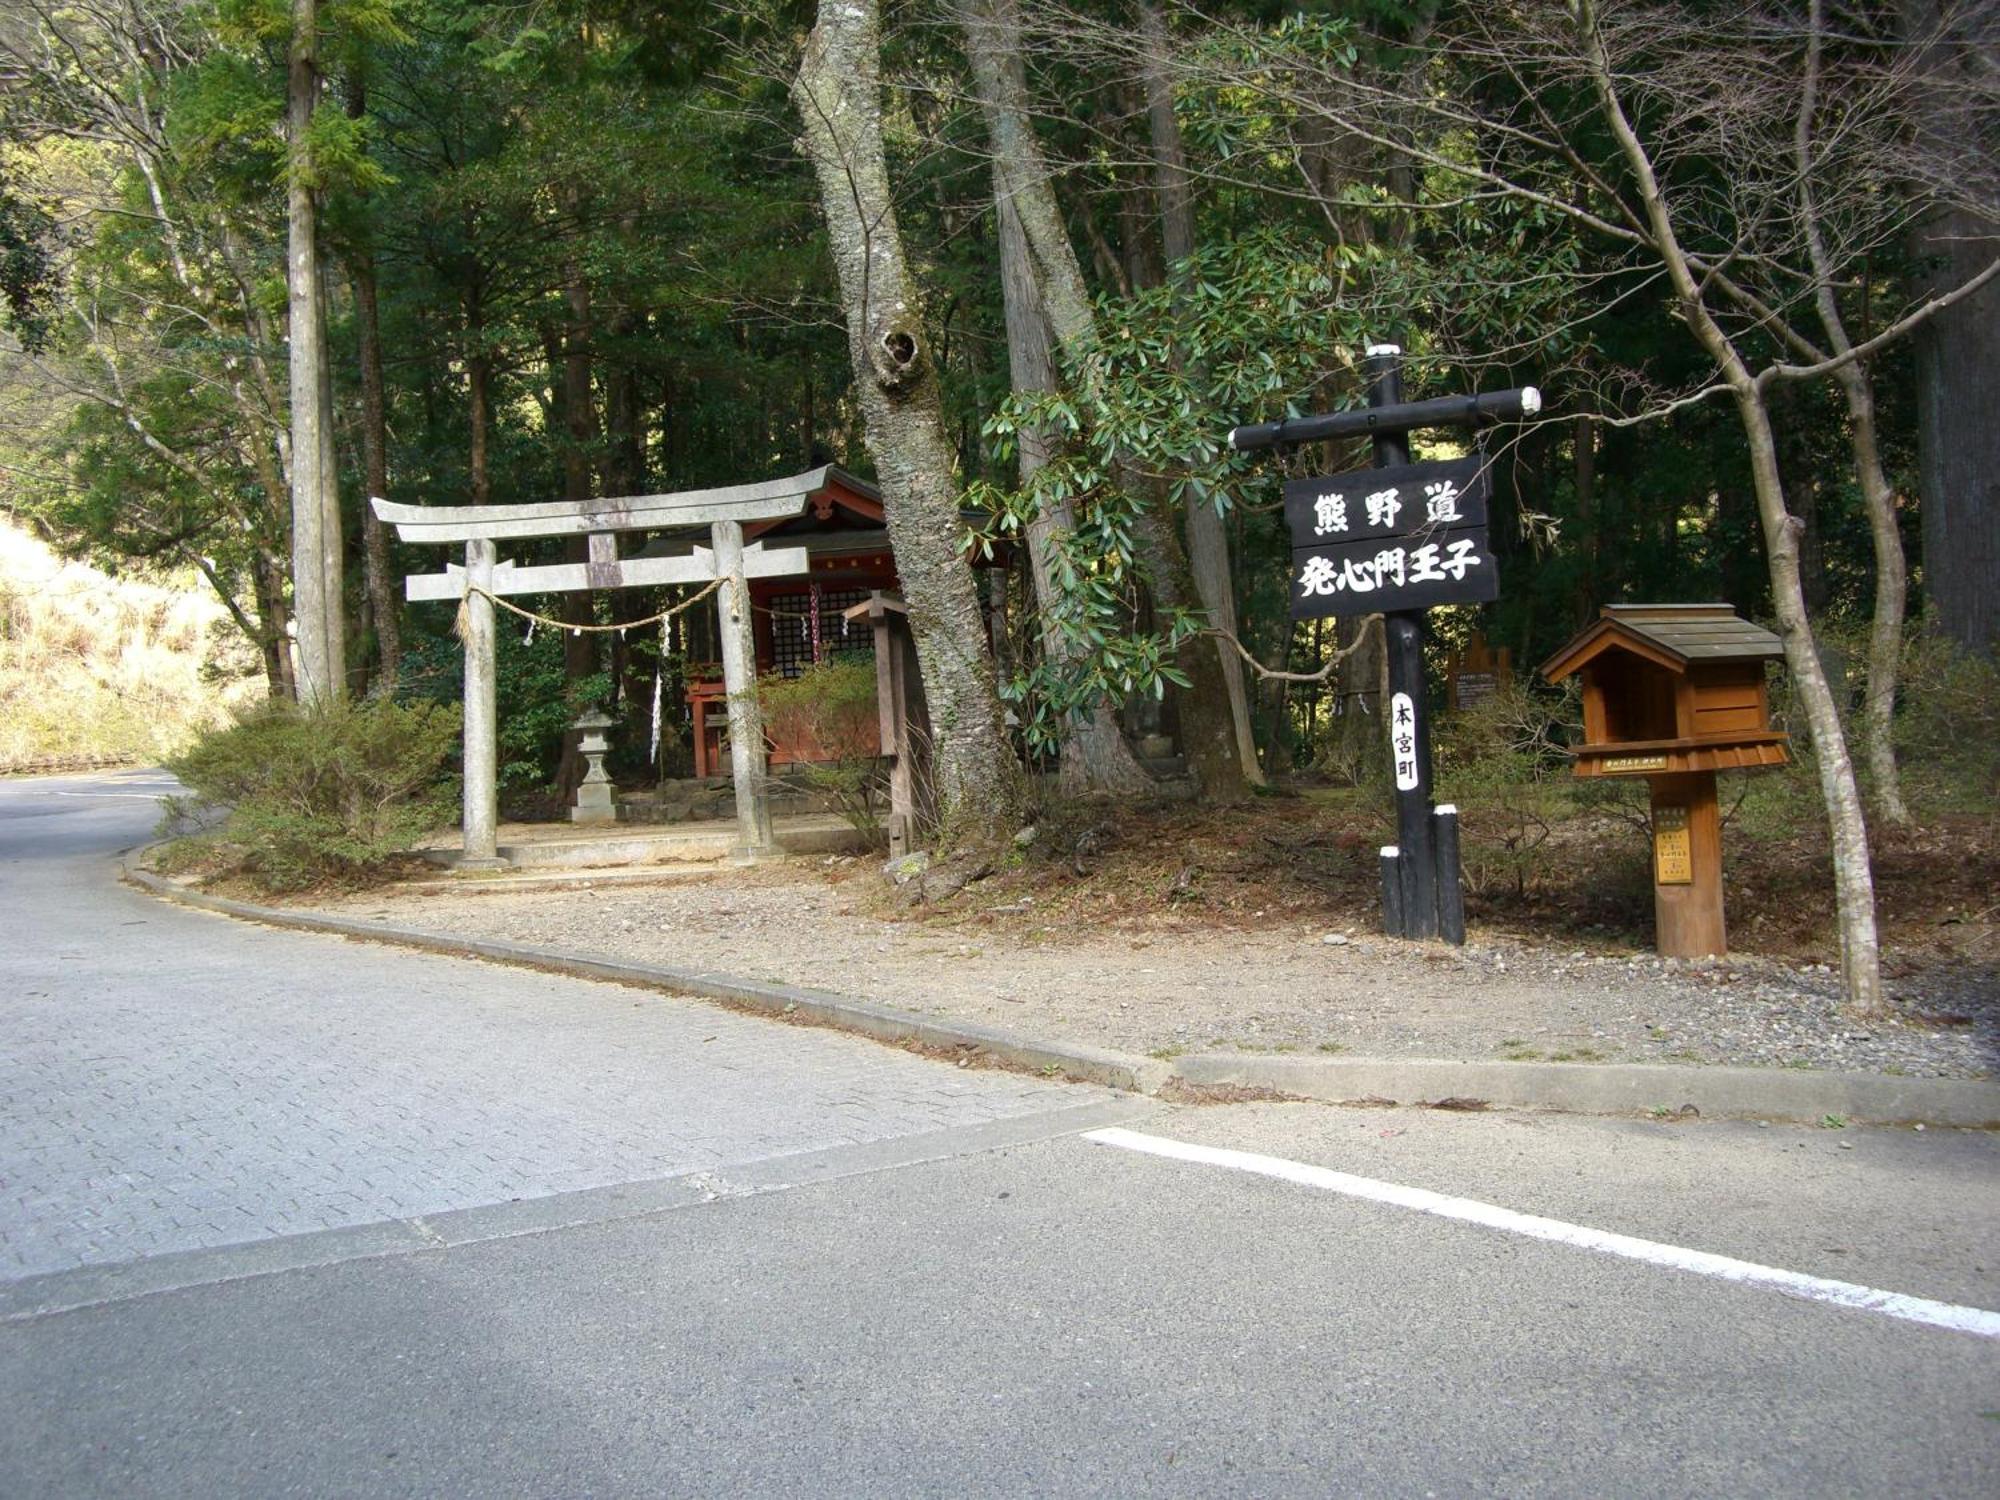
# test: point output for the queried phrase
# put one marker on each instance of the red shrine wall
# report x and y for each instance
(783, 613)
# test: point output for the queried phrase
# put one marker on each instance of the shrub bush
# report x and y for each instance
(1948, 725)
(326, 795)
(1501, 761)
(830, 712)
(535, 702)
(1947, 729)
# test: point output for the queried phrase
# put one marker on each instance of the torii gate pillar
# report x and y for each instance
(739, 681)
(482, 713)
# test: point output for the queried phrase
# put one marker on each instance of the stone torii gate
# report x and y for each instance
(483, 577)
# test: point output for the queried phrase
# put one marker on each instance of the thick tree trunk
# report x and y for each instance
(478, 399)
(1958, 350)
(992, 31)
(1853, 876)
(838, 96)
(569, 370)
(267, 587)
(624, 442)
(1207, 541)
(316, 548)
(623, 469)
(267, 567)
(1094, 755)
(385, 606)
(1958, 440)
(569, 377)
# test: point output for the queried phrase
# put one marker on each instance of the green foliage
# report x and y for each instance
(336, 153)
(1948, 726)
(1946, 731)
(28, 280)
(830, 711)
(225, 119)
(1500, 761)
(1139, 433)
(331, 795)
(536, 702)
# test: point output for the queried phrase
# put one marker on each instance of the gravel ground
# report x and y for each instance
(1169, 986)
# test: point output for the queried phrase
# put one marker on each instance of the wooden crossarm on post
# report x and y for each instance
(1390, 419)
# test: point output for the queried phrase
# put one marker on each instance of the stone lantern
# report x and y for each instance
(593, 797)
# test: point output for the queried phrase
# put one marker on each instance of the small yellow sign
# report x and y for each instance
(1673, 851)
(1631, 765)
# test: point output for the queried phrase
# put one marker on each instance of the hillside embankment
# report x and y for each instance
(97, 670)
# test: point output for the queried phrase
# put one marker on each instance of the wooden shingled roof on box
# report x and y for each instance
(1675, 636)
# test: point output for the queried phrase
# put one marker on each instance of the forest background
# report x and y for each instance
(263, 258)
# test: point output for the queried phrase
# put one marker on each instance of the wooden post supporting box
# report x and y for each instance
(904, 718)
(1675, 693)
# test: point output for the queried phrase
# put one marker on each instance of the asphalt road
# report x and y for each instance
(286, 1215)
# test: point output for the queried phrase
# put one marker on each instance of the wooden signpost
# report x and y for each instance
(484, 578)
(1396, 540)
(903, 719)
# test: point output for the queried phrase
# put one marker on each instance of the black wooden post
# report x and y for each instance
(1416, 846)
(1352, 546)
(1451, 890)
(1392, 893)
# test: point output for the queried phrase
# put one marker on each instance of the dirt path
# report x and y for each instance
(1165, 985)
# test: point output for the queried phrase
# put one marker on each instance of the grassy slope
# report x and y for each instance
(95, 669)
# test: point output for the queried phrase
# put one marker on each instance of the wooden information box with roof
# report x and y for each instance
(1675, 693)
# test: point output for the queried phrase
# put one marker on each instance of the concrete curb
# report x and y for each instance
(1584, 1088)
(1613, 1088)
(884, 1023)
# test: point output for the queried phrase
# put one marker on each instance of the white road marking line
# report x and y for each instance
(1973, 1320)
(128, 796)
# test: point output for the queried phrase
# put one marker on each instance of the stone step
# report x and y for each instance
(685, 845)
(709, 801)
(707, 844)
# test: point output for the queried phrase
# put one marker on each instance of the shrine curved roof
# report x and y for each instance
(1674, 636)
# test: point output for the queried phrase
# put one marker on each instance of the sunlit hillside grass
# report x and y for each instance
(97, 670)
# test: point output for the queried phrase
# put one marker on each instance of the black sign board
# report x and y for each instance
(1450, 565)
(1399, 537)
(1394, 501)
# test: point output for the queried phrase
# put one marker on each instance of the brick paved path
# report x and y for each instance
(171, 1080)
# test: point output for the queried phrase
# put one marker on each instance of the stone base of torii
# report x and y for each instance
(726, 561)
